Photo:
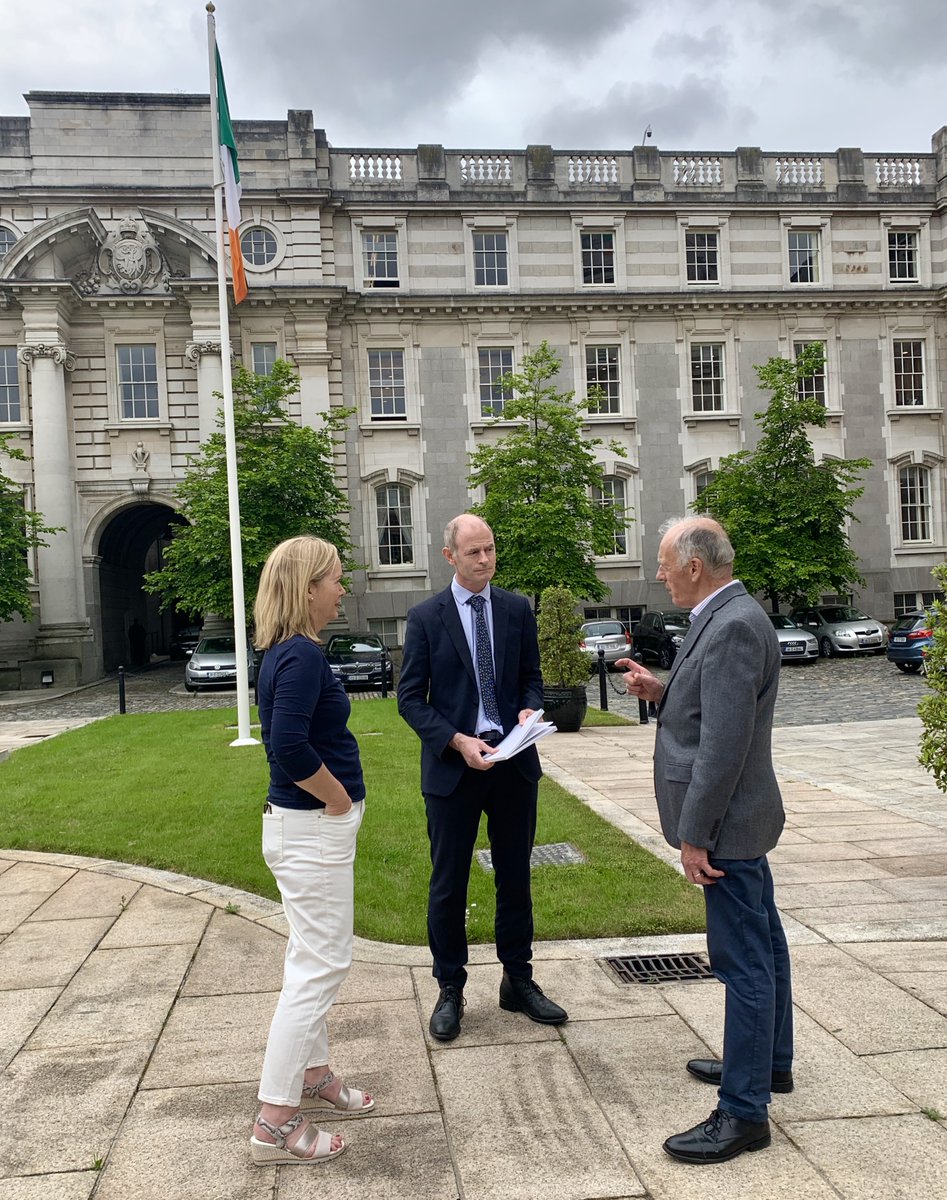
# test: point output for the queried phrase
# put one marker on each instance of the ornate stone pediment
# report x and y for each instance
(128, 262)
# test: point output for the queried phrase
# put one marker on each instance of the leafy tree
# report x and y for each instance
(784, 512)
(20, 532)
(287, 484)
(933, 708)
(538, 480)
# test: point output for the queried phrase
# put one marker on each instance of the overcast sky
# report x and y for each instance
(786, 75)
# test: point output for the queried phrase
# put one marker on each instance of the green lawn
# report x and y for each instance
(166, 790)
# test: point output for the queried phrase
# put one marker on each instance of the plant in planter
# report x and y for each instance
(564, 666)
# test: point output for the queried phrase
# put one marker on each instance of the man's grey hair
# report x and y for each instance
(452, 528)
(703, 538)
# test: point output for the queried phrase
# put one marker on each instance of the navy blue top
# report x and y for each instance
(303, 715)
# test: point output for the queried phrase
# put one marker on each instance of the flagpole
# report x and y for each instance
(233, 500)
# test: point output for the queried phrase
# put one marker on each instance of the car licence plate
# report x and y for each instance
(795, 647)
(218, 674)
(358, 678)
(899, 640)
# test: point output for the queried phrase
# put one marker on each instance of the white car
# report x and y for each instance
(795, 644)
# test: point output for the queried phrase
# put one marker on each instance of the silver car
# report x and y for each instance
(611, 636)
(795, 644)
(840, 629)
(214, 664)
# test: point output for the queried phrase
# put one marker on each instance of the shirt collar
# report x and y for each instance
(462, 595)
(699, 608)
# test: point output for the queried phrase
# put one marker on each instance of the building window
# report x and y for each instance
(702, 481)
(602, 373)
(491, 260)
(707, 376)
(908, 602)
(385, 628)
(915, 497)
(701, 254)
(380, 260)
(902, 256)
(598, 258)
(138, 382)
(9, 384)
(395, 530)
(258, 246)
(7, 240)
(495, 362)
(812, 387)
(596, 614)
(908, 373)
(804, 256)
(386, 385)
(264, 356)
(629, 615)
(612, 495)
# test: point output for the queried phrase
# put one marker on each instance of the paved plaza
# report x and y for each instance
(134, 1009)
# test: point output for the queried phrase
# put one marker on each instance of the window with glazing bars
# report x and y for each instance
(491, 260)
(908, 373)
(264, 356)
(914, 484)
(138, 382)
(602, 372)
(494, 362)
(707, 377)
(598, 257)
(702, 481)
(386, 385)
(813, 386)
(395, 532)
(380, 259)
(9, 384)
(902, 256)
(612, 495)
(700, 251)
(803, 257)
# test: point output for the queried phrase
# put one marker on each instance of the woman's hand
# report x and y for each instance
(338, 808)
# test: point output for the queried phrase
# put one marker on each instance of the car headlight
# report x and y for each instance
(677, 641)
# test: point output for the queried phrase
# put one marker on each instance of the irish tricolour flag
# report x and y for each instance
(228, 161)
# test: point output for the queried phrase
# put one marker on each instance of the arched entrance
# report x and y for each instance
(130, 545)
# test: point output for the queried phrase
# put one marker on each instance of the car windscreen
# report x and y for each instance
(906, 624)
(216, 645)
(603, 629)
(781, 621)
(676, 621)
(347, 645)
(833, 615)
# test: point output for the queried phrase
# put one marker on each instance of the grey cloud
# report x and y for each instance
(702, 50)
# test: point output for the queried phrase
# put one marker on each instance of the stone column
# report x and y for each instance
(64, 632)
(205, 356)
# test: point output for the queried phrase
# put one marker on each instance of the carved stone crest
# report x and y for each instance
(128, 261)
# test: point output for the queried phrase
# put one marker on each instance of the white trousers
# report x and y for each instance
(311, 855)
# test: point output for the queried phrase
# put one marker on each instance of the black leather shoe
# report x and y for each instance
(719, 1138)
(710, 1070)
(445, 1019)
(522, 995)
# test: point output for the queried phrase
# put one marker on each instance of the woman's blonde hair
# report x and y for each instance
(282, 600)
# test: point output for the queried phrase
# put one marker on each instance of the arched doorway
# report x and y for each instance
(131, 543)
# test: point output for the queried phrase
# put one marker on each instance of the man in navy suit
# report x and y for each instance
(470, 673)
(719, 804)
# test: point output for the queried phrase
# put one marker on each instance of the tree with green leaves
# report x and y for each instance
(287, 484)
(784, 512)
(540, 479)
(21, 532)
(933, 707)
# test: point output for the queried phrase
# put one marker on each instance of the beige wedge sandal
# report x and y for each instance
(266, 1153)
(351, 1102)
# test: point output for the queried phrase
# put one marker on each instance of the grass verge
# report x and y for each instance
(166, 790)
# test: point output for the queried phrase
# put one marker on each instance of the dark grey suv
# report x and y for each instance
(659, 634)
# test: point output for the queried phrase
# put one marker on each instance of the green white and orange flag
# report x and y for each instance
(228, 162)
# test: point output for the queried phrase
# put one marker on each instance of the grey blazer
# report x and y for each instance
(713, 768)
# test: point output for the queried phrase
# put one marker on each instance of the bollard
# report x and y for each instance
(602, 690)
(121, 689)
(384, 677)
(642, 704)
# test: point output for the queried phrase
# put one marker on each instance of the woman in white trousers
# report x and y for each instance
(312, 815)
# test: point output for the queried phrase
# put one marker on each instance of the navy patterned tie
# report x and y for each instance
(488, 690)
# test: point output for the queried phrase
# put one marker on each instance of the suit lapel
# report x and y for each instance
(451, 619)
(501, 625)
(697, 628)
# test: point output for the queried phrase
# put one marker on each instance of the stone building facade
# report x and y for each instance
(403, 283)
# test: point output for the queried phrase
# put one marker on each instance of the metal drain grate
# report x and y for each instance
(660, 968)
(556, 854)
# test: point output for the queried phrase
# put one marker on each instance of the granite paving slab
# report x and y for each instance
(48, 953)
(158, 918)
(483, 1023)
(212, 1040)
(920, 1075)
(20, 1013)
(235, 956)
(85, 896)
(71, 1185)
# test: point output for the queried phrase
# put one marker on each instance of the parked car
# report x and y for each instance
(659, 634)
(840, 629)
(795, 644)
(214, 664)
(610, 636)
(909, 641)
(185, 641)
(356, 660)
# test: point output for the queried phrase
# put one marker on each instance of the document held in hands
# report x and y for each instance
(532, 729)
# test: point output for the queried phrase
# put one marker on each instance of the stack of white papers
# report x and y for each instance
(532, 729)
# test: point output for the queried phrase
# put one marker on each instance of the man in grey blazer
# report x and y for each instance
(719, 804)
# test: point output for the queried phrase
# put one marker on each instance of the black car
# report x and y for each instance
(659, 634)
(184, 642)
(357, 660)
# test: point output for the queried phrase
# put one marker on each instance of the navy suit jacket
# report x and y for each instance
(437, 689)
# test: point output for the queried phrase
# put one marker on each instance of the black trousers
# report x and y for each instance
(509, 801)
